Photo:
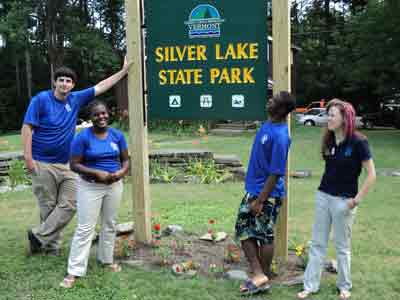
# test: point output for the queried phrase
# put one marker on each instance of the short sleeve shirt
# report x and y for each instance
(343, 166)
(268, 157)
(54, 122)
(100, 154)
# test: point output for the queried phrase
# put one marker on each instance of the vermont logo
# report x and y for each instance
(204, 21)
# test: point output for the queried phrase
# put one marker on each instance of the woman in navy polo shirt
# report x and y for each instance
(99, 155)
(345, 152)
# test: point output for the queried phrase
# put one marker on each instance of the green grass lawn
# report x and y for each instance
(376, 242)
(10, 142)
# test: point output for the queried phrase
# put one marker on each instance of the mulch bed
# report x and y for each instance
(211, 259)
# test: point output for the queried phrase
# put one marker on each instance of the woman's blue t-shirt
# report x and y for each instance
(100, 154)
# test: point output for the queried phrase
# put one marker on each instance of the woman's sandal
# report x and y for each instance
(68, 282)
(344, 295)
(304, 295)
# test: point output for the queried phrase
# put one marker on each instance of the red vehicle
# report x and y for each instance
(314, 104)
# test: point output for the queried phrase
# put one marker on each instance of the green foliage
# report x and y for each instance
(177, 128)
(15, 23)
(163, 252)
(162, 172)
(206, 170)
(17, 174)
(350, 52)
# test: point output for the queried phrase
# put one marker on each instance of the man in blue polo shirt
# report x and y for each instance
(47, 132)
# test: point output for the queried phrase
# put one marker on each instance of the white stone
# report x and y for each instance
(220, 236)
(236, 275)
(125, 228)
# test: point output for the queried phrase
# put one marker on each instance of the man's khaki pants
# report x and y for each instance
(54, 186)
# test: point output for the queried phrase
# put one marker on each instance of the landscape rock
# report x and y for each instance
(331, 266)
(220, 236)
(173, 230)
(228, 160)
(124, 228)
(239, 173)
(301, 174)
(236, 275)
(294, 281)
(133, 262)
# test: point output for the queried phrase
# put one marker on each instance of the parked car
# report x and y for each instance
(312, 111)
(388, 114)
(314, 117)
(315, 104)
(319, 117)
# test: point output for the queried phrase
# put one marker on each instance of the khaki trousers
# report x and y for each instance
(54, 186)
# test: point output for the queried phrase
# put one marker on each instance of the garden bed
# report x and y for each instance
(207, 258)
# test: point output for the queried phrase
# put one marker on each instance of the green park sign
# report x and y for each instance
(206, 60)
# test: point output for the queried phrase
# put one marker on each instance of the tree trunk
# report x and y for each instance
(55, 39)
(28, 73)
(17, 77)
(327, 23)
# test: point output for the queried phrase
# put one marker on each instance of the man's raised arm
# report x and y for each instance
(104, 85)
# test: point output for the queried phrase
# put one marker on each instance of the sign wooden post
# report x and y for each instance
(282, 76)
(137, 128)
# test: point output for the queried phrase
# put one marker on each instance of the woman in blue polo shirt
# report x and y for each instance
(345, 152)
(99, 155)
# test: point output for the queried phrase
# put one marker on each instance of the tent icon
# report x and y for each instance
(175, 101)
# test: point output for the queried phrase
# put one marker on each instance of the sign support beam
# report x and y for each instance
(282, 82)
(137, 128)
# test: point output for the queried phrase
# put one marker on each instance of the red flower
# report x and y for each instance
(210, 231)
(211, 221)
(178, 269)
(157, 227)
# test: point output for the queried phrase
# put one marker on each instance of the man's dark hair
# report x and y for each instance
(65, 72)
(286, 101)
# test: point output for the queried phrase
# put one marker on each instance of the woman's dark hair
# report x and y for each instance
(94, 104)
(65, 72)
(349, 129)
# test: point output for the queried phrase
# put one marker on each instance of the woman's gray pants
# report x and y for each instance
(330, 211)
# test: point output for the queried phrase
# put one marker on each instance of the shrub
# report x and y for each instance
(17, 174)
